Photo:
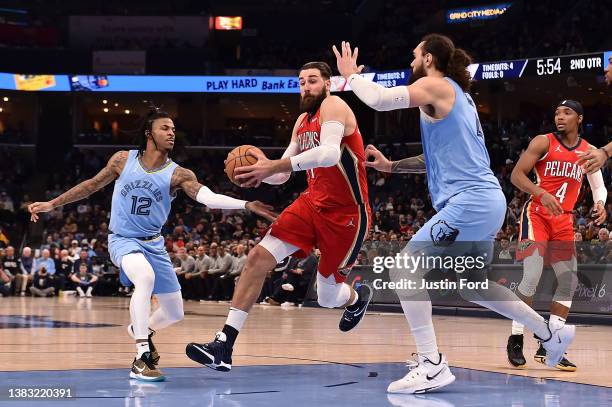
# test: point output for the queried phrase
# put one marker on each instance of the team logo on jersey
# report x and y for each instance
(558, 149)
(345, 271)
(308, 140)
(350, 223)
(442, 234)
(524, 244)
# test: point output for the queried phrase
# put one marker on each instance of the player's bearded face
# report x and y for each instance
(418, 71)
(311, 100)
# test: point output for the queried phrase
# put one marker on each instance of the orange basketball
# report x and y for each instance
(239, 157)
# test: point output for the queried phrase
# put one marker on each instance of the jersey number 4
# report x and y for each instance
(561, 192)
(143, 208)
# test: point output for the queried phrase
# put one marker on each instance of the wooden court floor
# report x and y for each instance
(31, 338)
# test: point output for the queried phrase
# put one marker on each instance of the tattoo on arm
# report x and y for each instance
(410, 165)
(186, 180)
(107, 175)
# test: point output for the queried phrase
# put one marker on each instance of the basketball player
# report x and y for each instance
(465, 193)
(547, 222)
(332, 214)
(146, 182)
(593, 160)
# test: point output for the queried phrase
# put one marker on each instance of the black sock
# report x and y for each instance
(231, 334)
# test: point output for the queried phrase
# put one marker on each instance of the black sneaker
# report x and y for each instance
(216, 355)
(152, 349)
(354, 314)
(515, 351)
(563, 364)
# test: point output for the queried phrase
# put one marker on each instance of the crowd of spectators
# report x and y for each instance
(208, 248)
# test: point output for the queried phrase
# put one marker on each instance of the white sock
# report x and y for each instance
(236, 318)
(142, 347)
(418, 314)
(555, 322)
(517, 328)
(354, 299)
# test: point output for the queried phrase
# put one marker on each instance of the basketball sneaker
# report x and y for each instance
(353, 314)
(424, 376)
(515, 351)
(563, 364)
(557, 344)
(152, 349)
(144, 369)
(216, 355)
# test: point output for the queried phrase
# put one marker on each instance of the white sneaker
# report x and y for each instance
(425, 377)
(81, 292)
(89, 290)
(558, 344)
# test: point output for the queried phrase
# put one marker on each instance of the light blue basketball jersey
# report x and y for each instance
(455, 154)
(141, 199)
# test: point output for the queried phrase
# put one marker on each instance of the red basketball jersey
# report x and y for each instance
(558, 173)
(346, 182)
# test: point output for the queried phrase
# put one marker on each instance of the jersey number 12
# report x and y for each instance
(141, 209)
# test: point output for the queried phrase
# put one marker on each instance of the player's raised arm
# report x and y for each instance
(520, 174)
(185, 179)
(425, 91)
(410, 165)
(109, 173)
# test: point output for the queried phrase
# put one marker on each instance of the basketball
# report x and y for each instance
(239, 157)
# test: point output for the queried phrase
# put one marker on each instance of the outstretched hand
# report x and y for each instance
(380, 162)
(38, 207)
(346, 60)
(262, 209)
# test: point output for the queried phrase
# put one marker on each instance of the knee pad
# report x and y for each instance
(331, 294)
(567, 281)
(532, 272)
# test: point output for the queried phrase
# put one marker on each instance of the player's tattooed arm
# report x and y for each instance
(109, 173)
(377, 160)
(185, 179)
(410, 165)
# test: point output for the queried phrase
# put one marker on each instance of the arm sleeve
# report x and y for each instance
(377, 96)
(218, 201)
(282, 177)
(327, 154)
(600, 192)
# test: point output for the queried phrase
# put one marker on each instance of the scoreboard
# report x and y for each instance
(534, 67)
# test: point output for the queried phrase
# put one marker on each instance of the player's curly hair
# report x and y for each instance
(448, 59)
(146, 127)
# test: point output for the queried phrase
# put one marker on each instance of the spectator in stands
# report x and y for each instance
(47, 261)
(10, 263)
(221, 266)
(238, 262)
(83, 259)
(362, 259)
(63, 271)
(5, 282)
(84, 280)
(187, 266)
(295, 281)
(201, 282)
(42, 283)
(25, 272)
(503, 254)
(600, 246)
(6, 203)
